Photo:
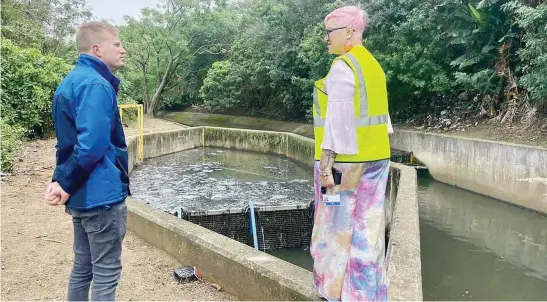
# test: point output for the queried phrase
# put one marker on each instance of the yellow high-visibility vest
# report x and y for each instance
(371, 108)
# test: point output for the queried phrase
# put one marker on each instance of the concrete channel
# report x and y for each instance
(516, 174)
(254, 275)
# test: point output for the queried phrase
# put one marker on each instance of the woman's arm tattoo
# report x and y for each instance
(327, 160)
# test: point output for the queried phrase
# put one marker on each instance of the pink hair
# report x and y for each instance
(350, 15)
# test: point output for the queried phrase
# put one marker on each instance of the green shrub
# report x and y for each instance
(10, 144)
(534, 52)
(29, 80)
(220, 85)
(124, 97)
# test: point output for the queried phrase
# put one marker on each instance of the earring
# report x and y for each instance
(348, 46)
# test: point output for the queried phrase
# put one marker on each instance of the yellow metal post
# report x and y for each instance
(141, 132)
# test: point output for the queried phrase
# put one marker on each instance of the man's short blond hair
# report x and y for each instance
(92, 33)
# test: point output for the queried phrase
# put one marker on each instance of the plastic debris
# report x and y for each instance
(185, 274)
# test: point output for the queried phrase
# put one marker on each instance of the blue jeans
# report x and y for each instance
(98, 236)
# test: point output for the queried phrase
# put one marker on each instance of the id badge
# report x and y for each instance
(331, 200)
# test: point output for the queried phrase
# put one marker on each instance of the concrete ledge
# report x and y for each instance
(403, 253)
(241, 270)
(196, 119)
(253, 275)
(513, 173)
(162, 143)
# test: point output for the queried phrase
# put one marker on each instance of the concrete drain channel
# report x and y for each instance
(233, 247)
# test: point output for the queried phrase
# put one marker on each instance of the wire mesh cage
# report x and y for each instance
(277, 227)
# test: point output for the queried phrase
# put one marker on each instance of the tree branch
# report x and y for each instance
(158, 67)
(202, 49)
(210, 52)
(175, 12)
(169, 47)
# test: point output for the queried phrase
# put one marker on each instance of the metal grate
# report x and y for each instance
(284, 227)
(278, 227)
(232, 224)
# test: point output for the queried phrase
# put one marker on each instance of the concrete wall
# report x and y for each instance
(513, 173)
(157, 144)
(254, 275)
(241, 270)
(404, 265)
(197, 119)
(250, 140)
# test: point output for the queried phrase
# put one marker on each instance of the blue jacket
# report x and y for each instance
(91, 158)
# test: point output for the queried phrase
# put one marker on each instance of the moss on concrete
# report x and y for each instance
(257, 141)
(221, 120)
(301, 149)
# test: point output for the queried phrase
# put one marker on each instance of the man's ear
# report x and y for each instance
(96, 50)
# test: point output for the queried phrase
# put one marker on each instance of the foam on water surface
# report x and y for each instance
(215, 179)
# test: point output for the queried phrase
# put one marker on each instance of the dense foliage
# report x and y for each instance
(484, 58)
(29, 79)
(261, 57)
(10, 144)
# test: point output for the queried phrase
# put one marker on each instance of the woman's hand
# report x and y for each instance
(327, 181)
(325, 168)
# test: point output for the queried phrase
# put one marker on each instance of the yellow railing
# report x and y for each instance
(140, 121)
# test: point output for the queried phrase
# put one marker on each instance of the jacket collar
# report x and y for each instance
(101, 68)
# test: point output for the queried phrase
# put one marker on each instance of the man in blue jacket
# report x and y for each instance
(90, 176)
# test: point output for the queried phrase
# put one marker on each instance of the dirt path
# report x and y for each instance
(152, 125)
(36, 246)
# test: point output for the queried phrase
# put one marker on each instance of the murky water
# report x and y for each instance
(477, 248)
(473, 247)
(300, 257)
(212, 179)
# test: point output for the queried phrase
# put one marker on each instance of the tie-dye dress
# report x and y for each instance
(348, 240)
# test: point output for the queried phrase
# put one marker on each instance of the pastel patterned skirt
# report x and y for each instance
(348, 240)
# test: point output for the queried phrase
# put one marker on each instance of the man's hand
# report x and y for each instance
(55, 195)
(52, 194)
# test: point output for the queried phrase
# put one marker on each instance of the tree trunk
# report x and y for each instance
(145, 99)
(151, 110)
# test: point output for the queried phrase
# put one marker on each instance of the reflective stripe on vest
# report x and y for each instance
(359, 122)
(363, 119)
(317, 118)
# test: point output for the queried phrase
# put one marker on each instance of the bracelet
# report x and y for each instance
(325, 173)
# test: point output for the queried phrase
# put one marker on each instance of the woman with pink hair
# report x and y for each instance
(352, 152)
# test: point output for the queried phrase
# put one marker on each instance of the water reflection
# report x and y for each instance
(477, 248)
(212, 178)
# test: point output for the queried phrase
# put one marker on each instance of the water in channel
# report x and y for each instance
(473, 247)
(478, 248)
(217, 179)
